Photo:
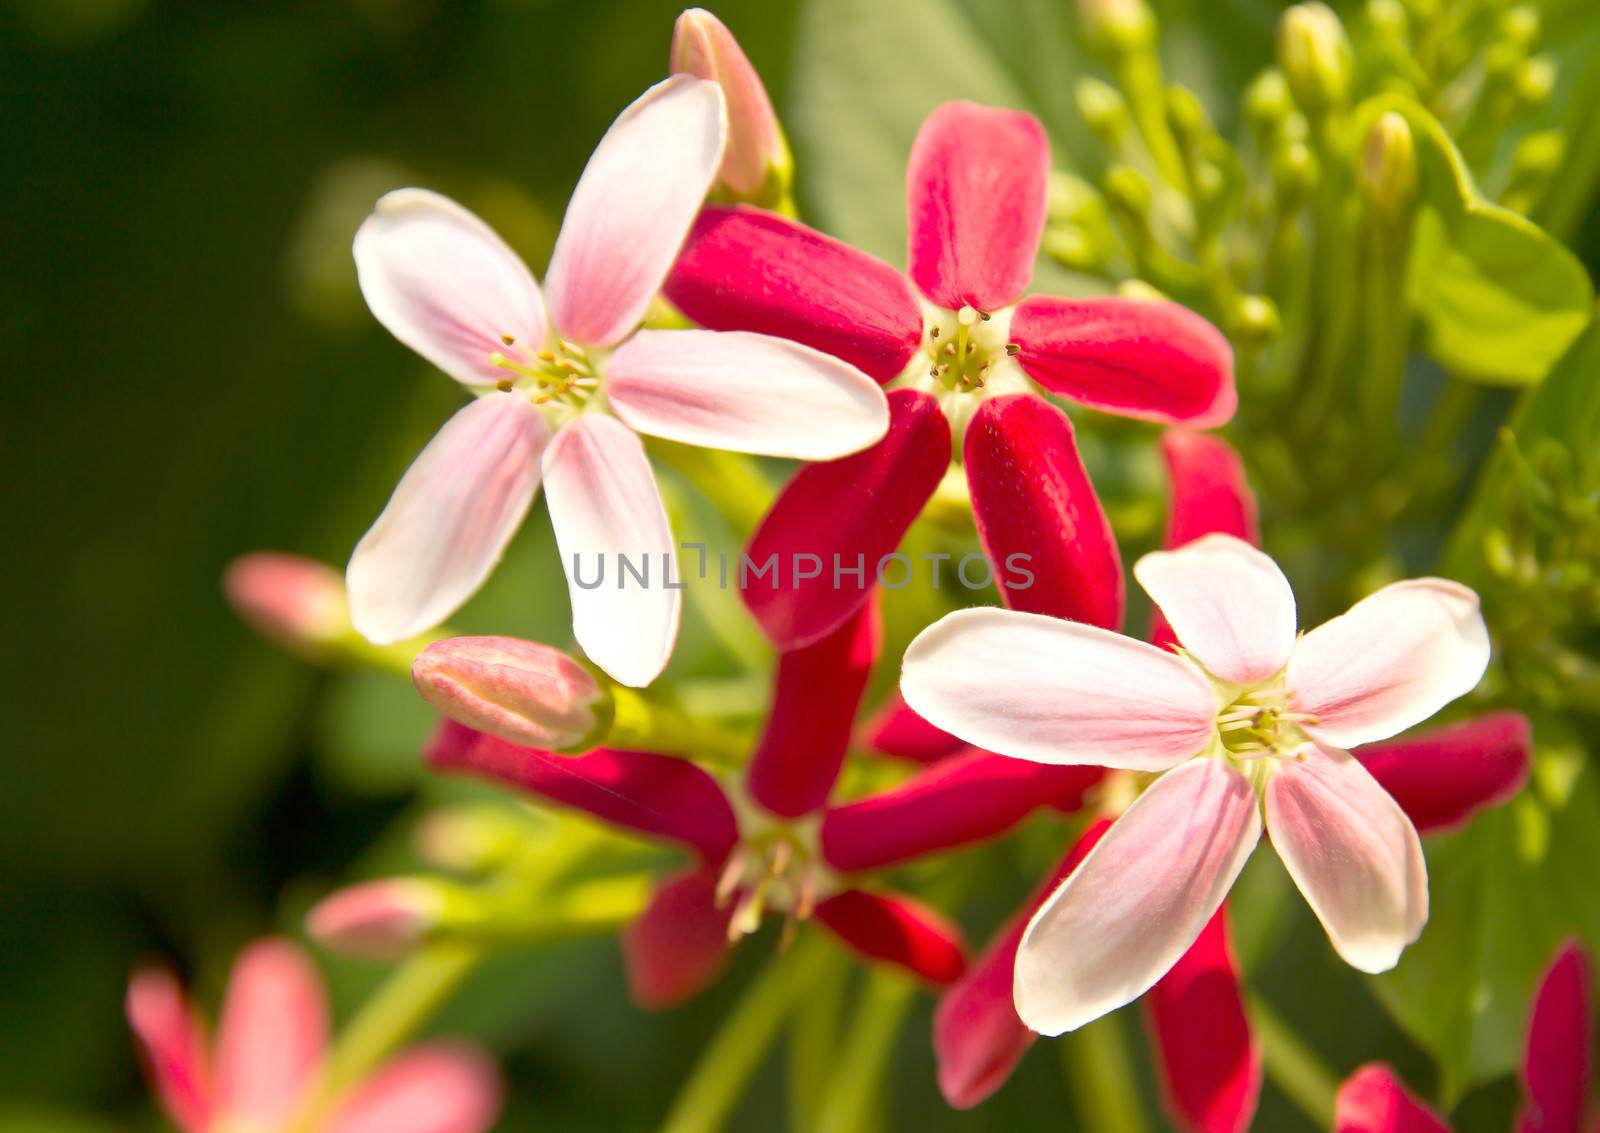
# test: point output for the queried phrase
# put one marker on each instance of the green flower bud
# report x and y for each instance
(1072, 199)
(1267, 101)
(1073, 246)
(1388, 20)
(1534, 80)
(1314, 53)
(1539, 155)
(1519, 25)
(1103, 109)
(1116, 26)
(1187, 116)
(1294, 171)
(1128, 190)
(1389, 165)
(1254, 319)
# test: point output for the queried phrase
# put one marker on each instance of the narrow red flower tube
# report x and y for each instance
(841, 516)
(747, 269)
(1555, 1067)
(895, 729)
(963, 799)
(1157, 361)
(1209, 495)
(977, 1036)
(897, 930)
(679, 944)
(1209, 1060)
(1444, 777)
(819, 688)
(1037, 513)
(1374, 1100)
(656, 795)
(975, 199)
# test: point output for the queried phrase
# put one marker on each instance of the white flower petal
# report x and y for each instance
(449, 519)
(606, 508)
(746, 393)
(1139, 900)
(1396, 658)
(1353, 853)
(447, 286)
(1055, 691)
(632, 209)
(1228, 603)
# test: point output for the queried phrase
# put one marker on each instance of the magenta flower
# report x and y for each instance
(956, 339)
(265, 1070)
(772, 843)
(545, 369)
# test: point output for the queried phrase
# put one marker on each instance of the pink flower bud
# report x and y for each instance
(297, 602)
(755, 165)
(522, 692)
(379, 920)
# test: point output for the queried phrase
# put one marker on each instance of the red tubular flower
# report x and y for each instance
(1374, 1100)
(679, 944)
(976, 191)
(896, 729)
(1443, 777)
(897, 930)
(1209, 495)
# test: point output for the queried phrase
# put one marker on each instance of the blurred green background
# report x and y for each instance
(190, 374)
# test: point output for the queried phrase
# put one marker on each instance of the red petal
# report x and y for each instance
(819, 688)
(977, 1035)
(975, 195)
(1037, 513)
(745, 269)
(896, 930)
(1153, 360)
(1374, 1100)
(959, 800)
(1555, 1070)
(897, 730)
(1211, 1064)
(1444, 777)
(656, 795)
(1210, 495)
(842, 514)
(679, 944)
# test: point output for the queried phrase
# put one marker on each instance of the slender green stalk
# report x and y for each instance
(813, 1045)
(854, 1092)
(648, 725)
(1387, 331)
(732, 482)
(1100, 1072)
(1292, 1066)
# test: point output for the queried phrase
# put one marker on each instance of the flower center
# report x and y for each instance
(963, 346)
(774, 871)
(564, 377)
(1261, 724)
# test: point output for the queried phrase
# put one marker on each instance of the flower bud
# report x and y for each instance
(377, 920)
(1116, 26)
(756, 165)
(1103, 110)
(473, 838)
(1315, 56)
(297, 602)
(1389, 165)
(520, 691)
(1267, 101)
(1294, 171)
(1128, 190)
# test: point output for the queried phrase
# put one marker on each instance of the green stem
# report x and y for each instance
(1388, 325)
(853, 1094)
(1334, 284)
(732, 482)
(708, 1097)
(1292, 1066)
(1100, 1071)
(813, 1046)
(648, 725)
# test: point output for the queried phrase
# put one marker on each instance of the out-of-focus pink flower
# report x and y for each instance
(295, 601)
(756, 163)
(380, 920)
(1374, 1100)
(264, 1071)
(954, 329)
(521, 691)
(1059, 692)
(444, 284)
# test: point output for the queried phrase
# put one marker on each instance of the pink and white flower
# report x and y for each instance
(547, 367)
(265, 1071)
(1245, 717)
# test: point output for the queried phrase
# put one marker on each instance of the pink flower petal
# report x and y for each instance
(1229, 604)
(977, 1035)
(896, 730)
(745, 269)
(272, 1037)
(896, 930)
(1055, 691)
(632, 208)
(1209, 494)
(449, 520)
(745, 393)
(439, 1088)
(975, 196)
(704, 47)
(1396, 658)
(1353, 853)
(807, 735)
(1140, 898)
(1037, 513)
(656, 795)
(1210, 1062)
(679, 944)
(173, 1042)
(1155, 361)
(609, 519)
(1444, 777)
(1555, 1069)
(957, 801)
(837, 517)
(444, 284)
(1374, 1100)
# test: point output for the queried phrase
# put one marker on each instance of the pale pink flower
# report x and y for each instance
(264, 1072)
(551, 369)
(1244, 718)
